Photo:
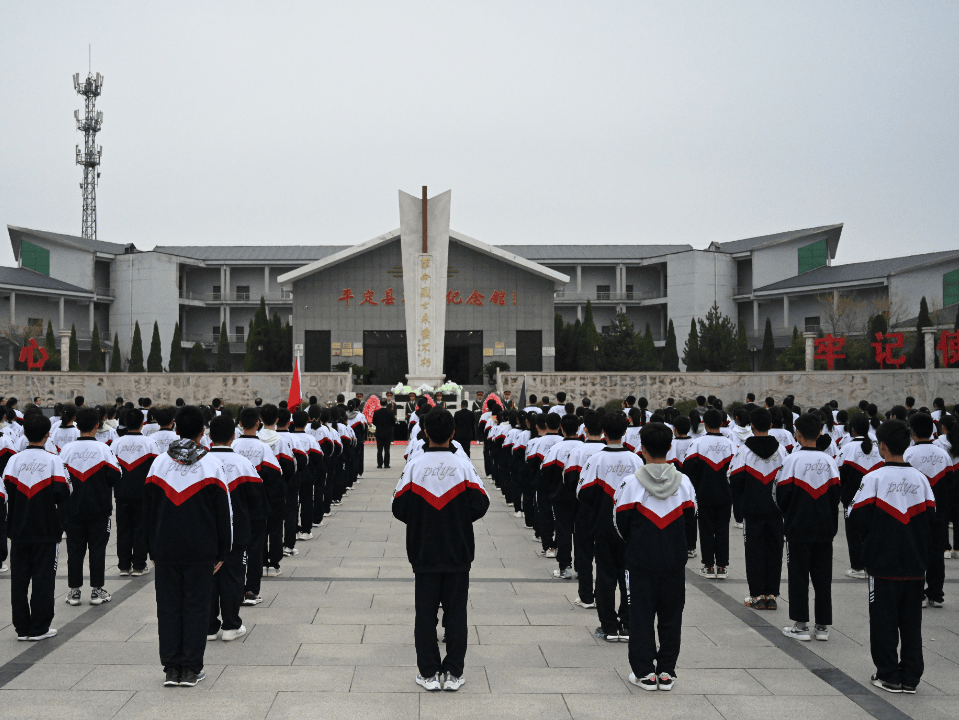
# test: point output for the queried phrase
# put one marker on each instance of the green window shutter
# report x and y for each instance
(950, 288)
(35, 258)
(813, 256)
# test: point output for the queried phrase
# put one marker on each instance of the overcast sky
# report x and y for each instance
(552, 122)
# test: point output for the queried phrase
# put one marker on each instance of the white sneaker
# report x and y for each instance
(266, 571)
(947, 555)
(691, 553)
(290, 551)
(432, 683)
(647, 682)
(738, 525)
(4, 567)
(214, 636)
(233, 634)
(822, 633)
(304, 536)
(566, 574)
(856, 574)
(517, 514)
(143, 571)
(584, 605)
(48, 634)
(551, 553)
(73, 597)
(453, 683)
(797, 633)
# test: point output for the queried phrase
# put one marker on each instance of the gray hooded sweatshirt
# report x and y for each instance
(661, 480)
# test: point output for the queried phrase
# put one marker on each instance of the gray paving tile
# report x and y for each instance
(790, 707)
(344, 706)
(554, 680)
(186, 704)
(305, 633)
(388, 679)
(49, 677)
(500, 707)
(705, 682)
(297, 678)
(792, 682)
(24, 704)
(138, 677)
(500, 635)
(662, 706)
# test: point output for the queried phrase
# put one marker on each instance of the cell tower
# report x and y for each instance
(89, 157)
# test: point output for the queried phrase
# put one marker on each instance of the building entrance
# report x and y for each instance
(463, 356)
(384, 353)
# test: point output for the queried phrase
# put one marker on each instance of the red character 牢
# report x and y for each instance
(347, 295)
(829, 349)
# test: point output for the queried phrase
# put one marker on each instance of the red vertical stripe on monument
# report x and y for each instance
(295, 394)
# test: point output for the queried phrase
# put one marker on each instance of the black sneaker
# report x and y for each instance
(908, 689)
(251, 598)
(666, 681)
(600, 634)
(190, 678)
(172, 678)
(887, 686)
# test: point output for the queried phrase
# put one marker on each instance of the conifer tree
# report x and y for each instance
(742, 363)
(136, 350)
(768, 358)
(115, 363)
(223, 362)
(155, 359)
(591, 342)
(574, 356)
(176, 350)
(794, 357)
(691, 354)
(619, 344)
(646, 351)
(670, 351)
(717, 342)
(197, 361)
(917, 358)
(559, 341)
(74, 365)
(50, 345)
(258, 346)
(95, 363)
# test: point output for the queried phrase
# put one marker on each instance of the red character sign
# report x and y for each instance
(949, 347)
(475, 298)
(368, 298)
(389, 299)
(347, 295)
(829, 349)
(498, 297)
(26, 355)
(885, 345)
(453, 297)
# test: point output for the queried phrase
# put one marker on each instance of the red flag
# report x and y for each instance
(295, 393)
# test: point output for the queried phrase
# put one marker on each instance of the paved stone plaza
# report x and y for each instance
(333, 639)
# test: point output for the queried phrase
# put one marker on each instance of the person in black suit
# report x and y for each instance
(477, 408)
(463, 430)
(383, 420)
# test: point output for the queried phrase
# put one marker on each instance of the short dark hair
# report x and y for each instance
(258, 402)
(269, 413)
(594, 423)
(670, 401)
(133, 419)
(769, 402)
(36, 427)
(438, 425)
(910, 401)
(700, 400)
(895, 434)
(464, 403)
(283, 416)
(216, 402)
(189, 422)
(221, 429)
(300, 419)
(751, 397)
(809, 425)
(712, 418)
(561, 397)
(761, 419)
(163, 416)
(283, 404)
(340, 398)
(87, 419)
(922, 425)
(656, 439)
(682, 424)
(553, 421)
(630, 400)
(614, 425)
(119, 400)
(249, 418)
(180, 402)
(79, 401)
(569, 424)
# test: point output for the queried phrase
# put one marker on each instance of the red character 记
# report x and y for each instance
(453, 297)
(368, 298)
(476, 298)
(347, 295)
(885, 345)
(829, 349)
(498, 297)
(389, 298)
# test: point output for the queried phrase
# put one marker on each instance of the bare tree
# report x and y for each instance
(840, 317)
(14, 336)
(895, 310)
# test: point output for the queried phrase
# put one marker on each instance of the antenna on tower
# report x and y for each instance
(89, 157)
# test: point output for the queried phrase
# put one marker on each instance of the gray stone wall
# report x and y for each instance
(165, 388)
(883, 387)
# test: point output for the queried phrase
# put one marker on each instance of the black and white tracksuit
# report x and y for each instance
(936, 464)
(584, 532)
(707, 466)
(854, 464)
(135, 455)
(274, 496)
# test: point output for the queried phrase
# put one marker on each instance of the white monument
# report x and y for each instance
(425, 241)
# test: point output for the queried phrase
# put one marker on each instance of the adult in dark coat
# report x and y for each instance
(383, 420)
(464, 430)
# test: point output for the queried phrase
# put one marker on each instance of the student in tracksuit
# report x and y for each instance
(752, 477)
(808, 494)
(279, 444)
(601, 475)
(894, 512)
(584, 540)
(676, 456)
(37, 492)
(936, 464)
(439, 498)
(189, 535)
(707, 466)
(274, 496)
(650, 506)
(135, 455)
(94, 472)
(545, 522)
(246, 501)
(324, 439)
(859, 457)
(563, 496)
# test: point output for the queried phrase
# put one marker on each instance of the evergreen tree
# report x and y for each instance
(767, 360)
(917, 358)
(155, 359)
(692, 358)
(74, 350)
(197, 360)
(619, 343)
(223, 362)
(115, 364)
(794, 357)
(743, 362)
(670, 352)
(577, 347)
(95, 363)
(258, 346)
(718, 344)
(176, 350)
(50, 345)
(877, 324)
(136, 351)
(591, 342)
(560, 342)
(277, 350)
(646, 351)
(287, 352)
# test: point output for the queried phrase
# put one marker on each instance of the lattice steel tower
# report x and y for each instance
(89, 157)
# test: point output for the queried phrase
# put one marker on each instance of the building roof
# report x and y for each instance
(575, 253)
(32, 280)
(97, 246)
(830, 232)
(252, 253)
(858, 272)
